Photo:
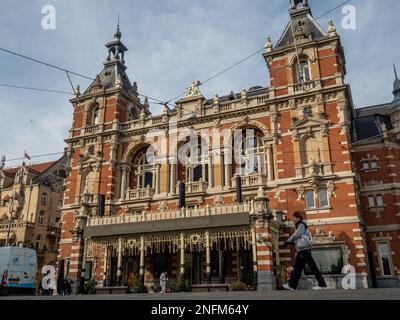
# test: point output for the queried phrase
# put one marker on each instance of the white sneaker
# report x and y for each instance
(318, 288)
(287, 287)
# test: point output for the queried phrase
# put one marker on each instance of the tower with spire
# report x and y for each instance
(396, 89)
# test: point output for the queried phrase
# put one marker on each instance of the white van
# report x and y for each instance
(18, 268)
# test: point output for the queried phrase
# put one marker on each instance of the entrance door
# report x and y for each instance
(246, 266)
(193, 267)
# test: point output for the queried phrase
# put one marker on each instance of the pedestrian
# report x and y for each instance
(302, 240)
(163, 281)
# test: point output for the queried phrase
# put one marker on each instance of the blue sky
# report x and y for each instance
(171, 43)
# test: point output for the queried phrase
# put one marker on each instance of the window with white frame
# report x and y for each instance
(303, 71)
(310, 200)
(317, 199)
(37, 243)
(374, 164)
(253, 152)
(41, 217)
(375, 201)
(365, 165)
(43, 198)
(385, 260)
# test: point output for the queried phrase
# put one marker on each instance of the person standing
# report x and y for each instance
(163, 281)
(303, 242)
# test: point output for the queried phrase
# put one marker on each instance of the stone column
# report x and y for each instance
(228, 169)
(158, 179)
(119, 262)
(173, 178)
(210, 171)
(208, 258)
(182, 257)
(124, 182)
(270, 163)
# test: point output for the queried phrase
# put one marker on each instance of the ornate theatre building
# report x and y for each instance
(205, 190)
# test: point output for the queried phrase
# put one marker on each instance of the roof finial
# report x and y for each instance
(395, 72)
(118, 32)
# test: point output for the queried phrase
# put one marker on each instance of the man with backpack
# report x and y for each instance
(302, 240)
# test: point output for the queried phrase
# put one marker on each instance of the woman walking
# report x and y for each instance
(303, 242)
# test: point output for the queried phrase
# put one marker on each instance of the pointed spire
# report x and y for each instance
(395, 72)
(118, 33)
(396, 88)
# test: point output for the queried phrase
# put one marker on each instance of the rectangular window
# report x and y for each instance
(374, 165)
(365, 165)
(328, 260)
(379, 201)
(371, 201)
(310, 199)
(384, 256)
(323, 198)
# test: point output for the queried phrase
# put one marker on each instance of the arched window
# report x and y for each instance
(252, 153)
(197, 157)
(145, 172)
(43, 198)
(96, 116)
(303, 70)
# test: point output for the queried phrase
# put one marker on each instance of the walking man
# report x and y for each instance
(303, 242)
(163, 281)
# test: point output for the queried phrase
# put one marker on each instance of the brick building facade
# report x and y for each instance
(216, 212)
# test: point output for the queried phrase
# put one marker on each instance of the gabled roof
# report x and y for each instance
(303, 19)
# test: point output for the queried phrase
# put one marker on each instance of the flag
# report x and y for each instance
(26, 156)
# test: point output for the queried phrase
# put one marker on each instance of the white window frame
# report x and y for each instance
(380, 258)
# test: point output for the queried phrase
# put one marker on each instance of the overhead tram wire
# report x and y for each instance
(34, 89)
(68, 72)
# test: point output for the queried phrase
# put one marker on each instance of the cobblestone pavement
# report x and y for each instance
(370, 294)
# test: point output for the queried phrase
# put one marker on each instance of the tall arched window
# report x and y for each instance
(145, 173)
(252, 153)
(303, 70)
(197, 157)
(96, 116)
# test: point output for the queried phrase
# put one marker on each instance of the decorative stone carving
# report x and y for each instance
(219, 199)
(331, 29)
(300, 192)
(193, 89)
(268, 44)
(331, 189)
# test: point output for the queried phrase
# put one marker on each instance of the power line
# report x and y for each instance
(34, 89)
(44, 63)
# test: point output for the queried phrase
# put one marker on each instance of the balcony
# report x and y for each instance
(314, 169)
(88, 199)
(139, 194)
(53, 230)
(196, 187)
(93, 129)
(306, 86)
(254, 180)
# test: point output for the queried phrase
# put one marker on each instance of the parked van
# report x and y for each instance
(18, 268)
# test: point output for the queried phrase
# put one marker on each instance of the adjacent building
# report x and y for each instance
(30, 208)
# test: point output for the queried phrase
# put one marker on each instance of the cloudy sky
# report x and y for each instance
(171, 43)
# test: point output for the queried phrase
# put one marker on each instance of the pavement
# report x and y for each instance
(363, 294)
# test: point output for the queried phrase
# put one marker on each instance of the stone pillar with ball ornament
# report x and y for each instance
(261, 217)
